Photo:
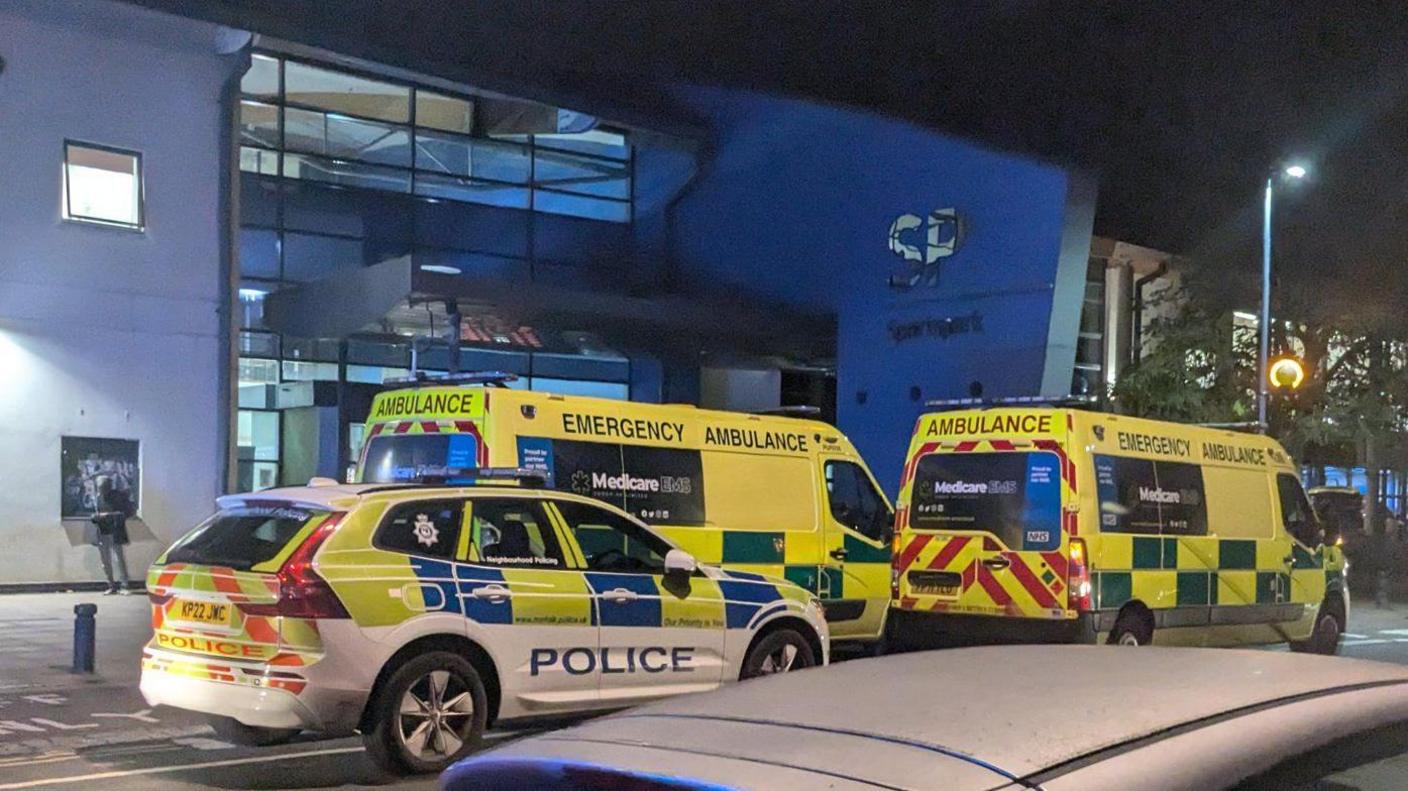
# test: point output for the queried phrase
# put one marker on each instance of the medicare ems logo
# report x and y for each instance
(584, 482)
(960, 487)
(1154, 494)
(924, 243)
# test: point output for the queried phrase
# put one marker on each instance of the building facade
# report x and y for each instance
(218, 246)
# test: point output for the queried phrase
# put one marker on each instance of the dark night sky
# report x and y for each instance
(1177, 107)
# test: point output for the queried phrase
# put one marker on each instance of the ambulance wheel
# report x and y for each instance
(1326, 637)
(781, 651)
(430, 713)
(236, 732)
(1131, 629)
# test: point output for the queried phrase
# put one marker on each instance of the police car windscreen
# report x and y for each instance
(396, 458)
(241, 537)
(1014, 496)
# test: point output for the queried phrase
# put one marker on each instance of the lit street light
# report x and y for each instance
(1287, 373)
(1264, 350)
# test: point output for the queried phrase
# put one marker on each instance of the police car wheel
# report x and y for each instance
(430, 713)
(781, 651)
(236, 732)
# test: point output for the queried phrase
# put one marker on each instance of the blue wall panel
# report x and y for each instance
(797, 207)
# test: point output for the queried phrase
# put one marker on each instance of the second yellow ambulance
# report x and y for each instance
(1046, 524)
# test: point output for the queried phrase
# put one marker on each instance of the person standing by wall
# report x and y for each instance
(114, 507)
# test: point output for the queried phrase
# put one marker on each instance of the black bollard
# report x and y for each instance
(84, 633)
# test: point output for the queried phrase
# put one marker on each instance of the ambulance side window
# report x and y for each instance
(1296, 511)
(513, 533)
(613, 543)
(430, 528)
(854, 501)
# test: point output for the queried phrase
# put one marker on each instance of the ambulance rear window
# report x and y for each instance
(1014, 496)
(241, 537)
(398, 457)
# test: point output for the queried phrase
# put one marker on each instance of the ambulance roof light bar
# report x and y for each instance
(799, 410)
(422, 379)
(439, 475)
(986, 403)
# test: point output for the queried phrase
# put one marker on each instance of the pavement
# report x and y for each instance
(61, 730)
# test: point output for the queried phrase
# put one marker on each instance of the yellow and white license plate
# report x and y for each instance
(201, 612)
(936, 590)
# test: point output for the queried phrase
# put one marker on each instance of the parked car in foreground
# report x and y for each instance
(1053, 717)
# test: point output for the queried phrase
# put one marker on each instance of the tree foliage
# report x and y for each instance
(1200, 366)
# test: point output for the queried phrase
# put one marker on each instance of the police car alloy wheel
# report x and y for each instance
(430, 713)
(781, 651)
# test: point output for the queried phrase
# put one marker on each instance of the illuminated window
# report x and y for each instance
(102, 185)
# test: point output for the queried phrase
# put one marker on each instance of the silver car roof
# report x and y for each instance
(1015, 709)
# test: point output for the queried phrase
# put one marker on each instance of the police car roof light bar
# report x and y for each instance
(985, 403)
(422, 379)
(428, 474)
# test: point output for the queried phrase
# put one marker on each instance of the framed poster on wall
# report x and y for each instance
(87, 460)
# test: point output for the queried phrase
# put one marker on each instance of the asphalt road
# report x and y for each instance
(61, 731)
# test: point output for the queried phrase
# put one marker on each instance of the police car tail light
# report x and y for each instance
(302, 592)
(1078, 577)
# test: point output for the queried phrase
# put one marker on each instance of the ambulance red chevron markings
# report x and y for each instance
(1023, 574)
(949, 551)
(911, 551)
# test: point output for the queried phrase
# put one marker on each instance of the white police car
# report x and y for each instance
(422, 614)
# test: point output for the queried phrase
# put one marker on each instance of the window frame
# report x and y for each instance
(641, 527)
(470, 551)
(66, 209)
(1304, 505)
(453, 554)
(863, 474)
(618, 210)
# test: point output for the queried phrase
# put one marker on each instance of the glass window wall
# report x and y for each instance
(311, 122)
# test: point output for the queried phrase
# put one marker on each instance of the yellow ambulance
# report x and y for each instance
(768, 494)
(1041, 523)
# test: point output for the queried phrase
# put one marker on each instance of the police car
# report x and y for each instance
(420, 614)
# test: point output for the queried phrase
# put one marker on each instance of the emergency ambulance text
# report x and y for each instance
(625, 428)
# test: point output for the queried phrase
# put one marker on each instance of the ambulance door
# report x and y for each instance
(659, 635)
(528, 605)
(989, 532)
(1305, 553)
(854, 584)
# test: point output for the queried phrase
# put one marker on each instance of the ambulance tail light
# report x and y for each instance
(895, 569)
(1078, 577)
(302, 592)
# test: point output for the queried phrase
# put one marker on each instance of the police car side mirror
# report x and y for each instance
(679, 563)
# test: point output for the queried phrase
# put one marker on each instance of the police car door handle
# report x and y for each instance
(997, 563)
(620, 595)
(839, 554)
(491, 592)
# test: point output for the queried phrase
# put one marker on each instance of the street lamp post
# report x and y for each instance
(1264, 348)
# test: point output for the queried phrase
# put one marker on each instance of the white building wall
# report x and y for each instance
(107, 332)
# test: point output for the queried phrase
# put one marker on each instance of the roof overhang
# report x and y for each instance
(668, 323)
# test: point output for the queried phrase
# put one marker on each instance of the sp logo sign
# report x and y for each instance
(924, 242)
